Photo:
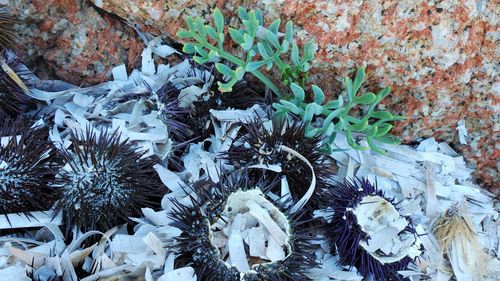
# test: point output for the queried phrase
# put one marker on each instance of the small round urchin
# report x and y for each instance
(104, 181)
(232, 231)
(367, 230)
(242, 97)
(25, 167)
(261, 144)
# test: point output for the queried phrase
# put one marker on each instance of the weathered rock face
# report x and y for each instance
(75, 42)
(439, 58)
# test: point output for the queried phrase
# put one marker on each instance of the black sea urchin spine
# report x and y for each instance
(15, 81)
(195, 249)
(7, 34)
(26, 171)
(172, 114)
(345, 234)
(104, 181)
(262, 146)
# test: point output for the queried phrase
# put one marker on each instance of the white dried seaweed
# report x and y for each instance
(250, 219)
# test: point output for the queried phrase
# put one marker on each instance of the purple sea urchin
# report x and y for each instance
(220, 233)
(367, 230)
(260, 144)
(104, 181)
(25, 168)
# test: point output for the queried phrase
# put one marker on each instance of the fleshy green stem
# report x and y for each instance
(259, 75)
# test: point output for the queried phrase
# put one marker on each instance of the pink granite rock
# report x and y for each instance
(439, 58)
(72, 42)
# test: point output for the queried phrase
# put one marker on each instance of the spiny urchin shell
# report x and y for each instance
(242, 97)
(213, 207)
(360, 212)
(13, 98)
(198, 117)
(261, 144)
(25, 167)
(104, 180)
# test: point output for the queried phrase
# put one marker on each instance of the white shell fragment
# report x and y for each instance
(384, 225)
(255, 221)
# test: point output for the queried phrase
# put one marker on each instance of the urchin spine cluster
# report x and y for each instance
(172, 114)
(25, 168)
(261, 145)
(104, 180)
(13, 88)
(7, 34)
(194, 244)
(351, 240)
(15, 81)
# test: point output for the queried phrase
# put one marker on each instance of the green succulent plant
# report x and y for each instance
(334, 116)
(265, 47)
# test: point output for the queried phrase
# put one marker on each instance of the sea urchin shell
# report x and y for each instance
(104, 181)
(367, 230)
(224, 234)
(261, 144)
(25, 169)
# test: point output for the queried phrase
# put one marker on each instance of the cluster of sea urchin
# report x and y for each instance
(104, 180)
(262, 144)
(232, 231)
(367, 230)
(25, 168)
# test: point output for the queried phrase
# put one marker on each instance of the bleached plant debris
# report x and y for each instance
(250, 219)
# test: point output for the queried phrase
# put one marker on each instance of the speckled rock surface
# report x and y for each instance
(439, 58)
(70, 41)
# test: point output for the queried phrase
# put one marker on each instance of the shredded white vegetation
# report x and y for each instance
(426, 181)
(250, 219)
(388, 242)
